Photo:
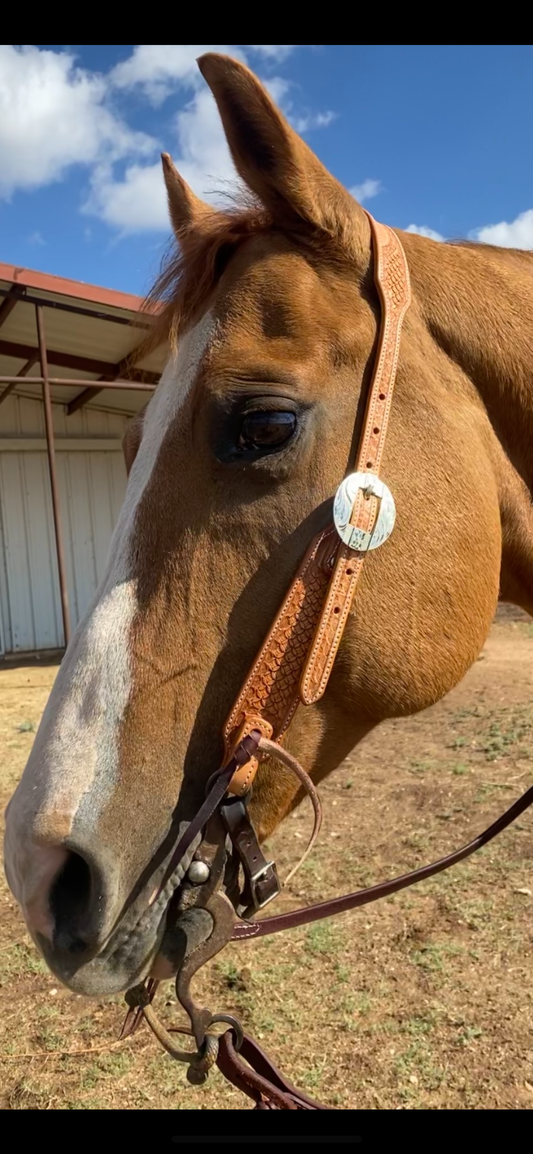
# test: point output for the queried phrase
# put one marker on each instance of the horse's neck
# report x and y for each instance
(478, 306)
(477, 303)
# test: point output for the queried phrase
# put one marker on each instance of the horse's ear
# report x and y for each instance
(187, 211)
(273, 160)
(132, 439)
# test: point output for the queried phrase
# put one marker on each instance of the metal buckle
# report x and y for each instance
(261, 879)
(254, 880)
(360, 540)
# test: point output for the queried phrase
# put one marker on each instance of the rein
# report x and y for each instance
(292, 668)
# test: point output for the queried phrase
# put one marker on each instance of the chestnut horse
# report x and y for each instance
(272, 317)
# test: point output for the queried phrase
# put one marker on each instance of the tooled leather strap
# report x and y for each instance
(392, 279)
(297, 656)
(270, 696)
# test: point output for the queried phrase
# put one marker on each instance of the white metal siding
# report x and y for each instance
(91, 489)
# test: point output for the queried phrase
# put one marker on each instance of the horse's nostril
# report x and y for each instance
(68, 943)
(69, 901)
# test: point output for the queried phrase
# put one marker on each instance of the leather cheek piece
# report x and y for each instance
(331, 626)
(392, 280)
(269, 695)
(337, 607)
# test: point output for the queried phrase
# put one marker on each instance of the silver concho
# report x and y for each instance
(343, 504)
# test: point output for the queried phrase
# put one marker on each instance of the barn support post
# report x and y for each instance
(50, 442)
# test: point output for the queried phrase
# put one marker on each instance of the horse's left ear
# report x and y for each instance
(187, 212)
(275, 162)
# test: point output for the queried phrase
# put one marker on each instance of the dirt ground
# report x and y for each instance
(421, 1001)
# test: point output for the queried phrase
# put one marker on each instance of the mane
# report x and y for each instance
(191, 270)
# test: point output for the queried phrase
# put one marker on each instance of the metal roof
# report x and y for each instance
(89, 332)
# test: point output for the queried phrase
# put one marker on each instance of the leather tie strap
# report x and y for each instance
(260, 1079)
(327, 909)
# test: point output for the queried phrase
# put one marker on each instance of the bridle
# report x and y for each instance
(292, 668)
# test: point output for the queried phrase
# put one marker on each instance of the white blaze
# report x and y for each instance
(75, 753)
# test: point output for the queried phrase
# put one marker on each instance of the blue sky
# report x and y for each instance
(431, 137)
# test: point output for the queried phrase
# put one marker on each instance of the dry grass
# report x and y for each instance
(424, 1000)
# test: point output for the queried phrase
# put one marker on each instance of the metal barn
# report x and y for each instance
(71, 376)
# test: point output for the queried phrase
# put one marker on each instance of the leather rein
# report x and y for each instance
(292, 668)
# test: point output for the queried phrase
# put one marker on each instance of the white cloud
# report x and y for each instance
(36, 238)
(277, 52)
(280, 90)
(366, 190)
(134, 204)
(158, 69)
(52, 115)
(204, 154)
(423, 230)
(55, 114)
(517, 234)
(312, 120)
(137, 203)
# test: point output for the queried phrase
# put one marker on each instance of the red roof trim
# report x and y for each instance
(45, 282)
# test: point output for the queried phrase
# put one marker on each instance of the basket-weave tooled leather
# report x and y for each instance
(271, 688)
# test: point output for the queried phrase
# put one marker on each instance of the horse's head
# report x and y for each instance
(232, 468)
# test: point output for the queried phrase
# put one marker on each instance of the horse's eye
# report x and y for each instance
(266, 430)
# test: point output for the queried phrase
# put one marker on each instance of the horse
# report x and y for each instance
(272, 314)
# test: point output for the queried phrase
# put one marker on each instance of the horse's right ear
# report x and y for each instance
(274, 161)
(132, 439)
(187, 212)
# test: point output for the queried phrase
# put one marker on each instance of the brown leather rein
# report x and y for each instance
(292, 668)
